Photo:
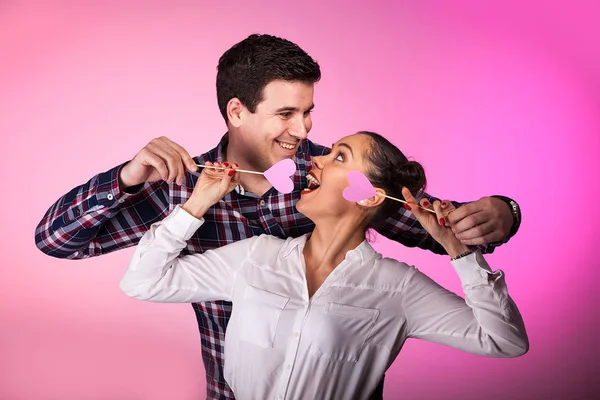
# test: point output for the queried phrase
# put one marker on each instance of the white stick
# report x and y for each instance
(405, 202)
(237, 170)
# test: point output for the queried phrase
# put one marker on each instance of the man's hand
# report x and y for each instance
(487, 220)
(159, 159)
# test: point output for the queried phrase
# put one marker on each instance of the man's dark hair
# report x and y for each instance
(246, 68)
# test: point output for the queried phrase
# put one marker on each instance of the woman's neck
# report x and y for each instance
(330, 241)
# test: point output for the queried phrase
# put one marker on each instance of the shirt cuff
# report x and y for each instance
(108, 193)
(472, 269)
(182, 224)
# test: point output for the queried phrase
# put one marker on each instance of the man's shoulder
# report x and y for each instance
(213, 154)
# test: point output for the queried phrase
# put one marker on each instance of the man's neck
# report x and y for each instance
(254, 183)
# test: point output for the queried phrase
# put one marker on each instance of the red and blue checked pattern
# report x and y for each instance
(97, 218)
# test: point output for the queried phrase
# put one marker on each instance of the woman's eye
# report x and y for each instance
(339, 157)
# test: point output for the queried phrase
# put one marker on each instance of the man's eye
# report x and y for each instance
(286, 114)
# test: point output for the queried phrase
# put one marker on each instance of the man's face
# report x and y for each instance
(278, 125)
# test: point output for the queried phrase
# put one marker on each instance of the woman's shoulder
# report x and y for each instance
(391, 273)
(266, 244)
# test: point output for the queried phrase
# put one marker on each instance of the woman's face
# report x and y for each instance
(328, 178)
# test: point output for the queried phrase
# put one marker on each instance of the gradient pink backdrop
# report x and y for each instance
(491, 99)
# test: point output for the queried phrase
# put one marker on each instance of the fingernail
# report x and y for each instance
(444, 204)
(230, 173)
(226, 165)
(442, 222)
(236, 165)
(407, 206)
(426, 204)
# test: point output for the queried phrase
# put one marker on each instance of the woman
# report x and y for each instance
(322, 316)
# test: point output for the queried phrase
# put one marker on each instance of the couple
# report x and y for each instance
(265, 90)
(323, 315)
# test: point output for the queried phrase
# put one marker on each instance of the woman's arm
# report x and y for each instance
(487, 322)
(157, 272)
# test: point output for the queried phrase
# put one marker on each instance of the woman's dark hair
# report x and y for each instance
(246, 68)
(389, 169)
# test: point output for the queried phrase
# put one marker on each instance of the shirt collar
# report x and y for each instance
(221, 148)
(362, 253)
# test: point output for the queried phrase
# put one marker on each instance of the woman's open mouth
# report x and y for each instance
(313, 183)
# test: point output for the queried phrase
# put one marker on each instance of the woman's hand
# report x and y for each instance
(211, 187)
(436, 224)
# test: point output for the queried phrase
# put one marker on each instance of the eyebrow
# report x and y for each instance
(288, 109)
(344, 145)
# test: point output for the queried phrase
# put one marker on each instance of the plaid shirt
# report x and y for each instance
(97, 218)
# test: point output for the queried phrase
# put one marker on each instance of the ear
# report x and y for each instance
(375, 200)
(235, 112)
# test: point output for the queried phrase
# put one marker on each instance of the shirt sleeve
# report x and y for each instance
(157, 272)
(97, 217)
(486, 322)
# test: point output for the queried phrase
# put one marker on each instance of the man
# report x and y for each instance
(265, 93)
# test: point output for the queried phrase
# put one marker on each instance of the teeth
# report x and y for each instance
(287, 146)
(313, 183)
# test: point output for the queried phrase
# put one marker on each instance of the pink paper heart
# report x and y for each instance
(279, 175)
(360, 188)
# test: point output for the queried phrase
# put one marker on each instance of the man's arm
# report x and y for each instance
(97, 217)
(486, 223)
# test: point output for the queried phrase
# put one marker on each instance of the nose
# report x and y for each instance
(318, 162)
(298, 128)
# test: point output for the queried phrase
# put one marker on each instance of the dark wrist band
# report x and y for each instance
(516, 214)
(461, 255)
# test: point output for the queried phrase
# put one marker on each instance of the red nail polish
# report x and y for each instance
(407, 207)
(226, 165)
(425, 204)
(230, 173)
(237, 165)
(444, 204)
(442, 222)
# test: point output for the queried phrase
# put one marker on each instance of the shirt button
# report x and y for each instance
(262, 203)
(110, 196)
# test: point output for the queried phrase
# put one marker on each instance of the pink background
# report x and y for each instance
(491, 99)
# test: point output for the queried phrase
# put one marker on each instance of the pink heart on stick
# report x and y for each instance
(279, 175)
(360, 188)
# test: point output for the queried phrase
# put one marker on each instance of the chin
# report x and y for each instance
(301, 207)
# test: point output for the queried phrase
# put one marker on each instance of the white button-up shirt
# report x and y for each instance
(336, 345)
